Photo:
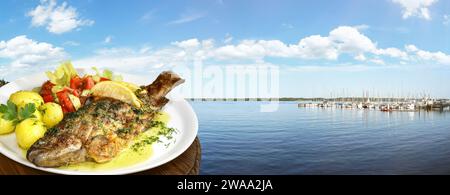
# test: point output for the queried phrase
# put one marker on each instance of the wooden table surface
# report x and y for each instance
(187, 163)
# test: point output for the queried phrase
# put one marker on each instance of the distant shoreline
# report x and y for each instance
(292, 99)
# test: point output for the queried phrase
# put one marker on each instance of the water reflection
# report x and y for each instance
(238, 139)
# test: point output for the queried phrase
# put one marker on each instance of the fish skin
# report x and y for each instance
(100, 130)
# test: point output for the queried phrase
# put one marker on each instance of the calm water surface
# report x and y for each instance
(238, 139)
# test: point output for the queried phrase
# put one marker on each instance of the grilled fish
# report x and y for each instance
(100, 130)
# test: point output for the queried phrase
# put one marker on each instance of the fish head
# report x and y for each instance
(56, 151)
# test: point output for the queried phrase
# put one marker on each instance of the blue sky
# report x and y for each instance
(387, 47)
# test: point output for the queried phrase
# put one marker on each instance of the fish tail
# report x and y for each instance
(163, 84)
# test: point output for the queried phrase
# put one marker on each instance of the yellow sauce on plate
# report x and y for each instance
(128, 156)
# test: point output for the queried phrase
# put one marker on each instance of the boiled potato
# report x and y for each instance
(37, 114)
(52, 114)
(21, 98)
(29, 131)
(6, 126)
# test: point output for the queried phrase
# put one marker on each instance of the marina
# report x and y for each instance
(381, 104)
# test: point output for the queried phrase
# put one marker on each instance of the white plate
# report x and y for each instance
(182, 117)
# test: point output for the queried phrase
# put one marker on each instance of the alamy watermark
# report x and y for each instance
(257, 82)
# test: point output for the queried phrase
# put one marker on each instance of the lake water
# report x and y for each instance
(238, 139)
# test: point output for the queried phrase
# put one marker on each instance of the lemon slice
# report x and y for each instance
(130, 86)
(116, 91)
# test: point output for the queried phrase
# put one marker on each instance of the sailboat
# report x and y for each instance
(386, 108)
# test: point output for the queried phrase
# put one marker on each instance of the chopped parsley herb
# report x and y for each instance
(123, 130)
(137, 111)
(154, 124)
(101, 108)
(73, 115)
(146, 141)
(51, 131)
(115, 106)
(164, 131)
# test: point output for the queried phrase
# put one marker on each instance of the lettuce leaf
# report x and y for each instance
(62, 75)
(106, 74)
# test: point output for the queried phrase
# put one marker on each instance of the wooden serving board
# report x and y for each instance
(187, 163)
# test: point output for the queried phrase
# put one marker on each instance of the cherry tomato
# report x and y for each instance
(104, 79)
(88, 82)
(76, 82)
(48, 98)
(46, 88)
(64, 101)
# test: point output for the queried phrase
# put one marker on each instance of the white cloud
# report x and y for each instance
(360, 57)
(417, 8)
(71, 43)
(114, 51)
(58, 19)
(446, 19)
(208, 44)
(187, 44)
(148, 16)
(144, 49)
(337, 68)
(378, 61)
(23, 52)
(411, 48)
(228, 38)
(392, 52)
(158, 65)
(108, 39)
(189, 17)
(423, 55)
(340, 41)
(343, 40)
(316, 46)
(246, 49)
(350, 40)
(362, 27)
(329, 49)
(287, 25)
(121, 59)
